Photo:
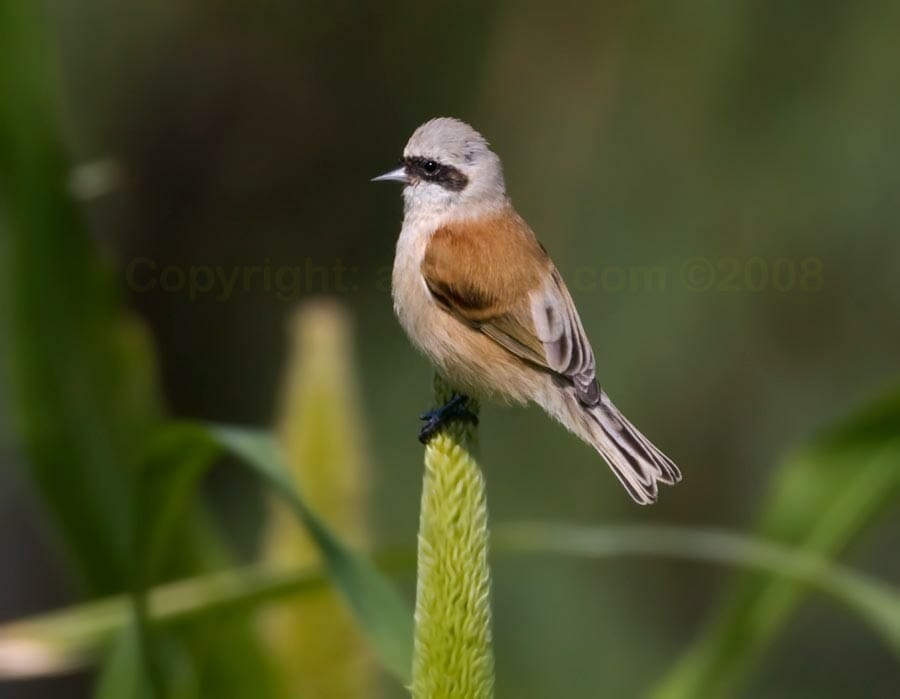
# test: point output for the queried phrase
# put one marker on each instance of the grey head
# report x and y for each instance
(448, 166)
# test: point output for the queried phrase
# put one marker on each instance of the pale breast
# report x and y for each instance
(411, 297)
(467, 358)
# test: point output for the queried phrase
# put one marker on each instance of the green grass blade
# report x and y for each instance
(172, 464)
(381, 611)
(122, 675)
(80, 368)
(875, 602)
(72, 637)
(823, 497)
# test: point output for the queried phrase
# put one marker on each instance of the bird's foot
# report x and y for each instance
(455, 409)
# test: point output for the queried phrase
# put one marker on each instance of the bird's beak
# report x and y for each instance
(398, 175)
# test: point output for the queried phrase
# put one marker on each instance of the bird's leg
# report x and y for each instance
(456, 408)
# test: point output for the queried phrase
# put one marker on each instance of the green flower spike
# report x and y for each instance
(453, 657)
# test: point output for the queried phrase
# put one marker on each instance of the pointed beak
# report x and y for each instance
(398, 175)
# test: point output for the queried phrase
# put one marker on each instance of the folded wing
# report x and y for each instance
(496, 277)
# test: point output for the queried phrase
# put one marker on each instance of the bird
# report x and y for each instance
(480, 297)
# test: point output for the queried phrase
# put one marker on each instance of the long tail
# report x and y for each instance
(635, 461)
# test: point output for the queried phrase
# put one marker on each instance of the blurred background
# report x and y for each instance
(716, 180)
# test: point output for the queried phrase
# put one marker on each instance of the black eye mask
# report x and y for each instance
(431, 170)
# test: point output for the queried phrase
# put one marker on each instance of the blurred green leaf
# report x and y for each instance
(875, 602)
(123, 673)
(381, 611)
(80, 367)
(172, 463)
(823, 497)
(122, 676)
(71, 637)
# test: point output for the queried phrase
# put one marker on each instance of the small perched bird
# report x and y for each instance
(480, 297)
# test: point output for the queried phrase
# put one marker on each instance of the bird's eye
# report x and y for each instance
(430, 166)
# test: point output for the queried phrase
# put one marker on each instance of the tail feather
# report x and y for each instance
(634, 460)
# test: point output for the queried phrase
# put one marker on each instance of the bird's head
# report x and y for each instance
(448, 167)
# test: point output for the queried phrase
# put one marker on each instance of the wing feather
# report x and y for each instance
(496, 277)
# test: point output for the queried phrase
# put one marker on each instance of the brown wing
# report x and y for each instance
(495, 276)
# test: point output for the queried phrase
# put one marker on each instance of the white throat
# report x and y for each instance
(430, 204)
